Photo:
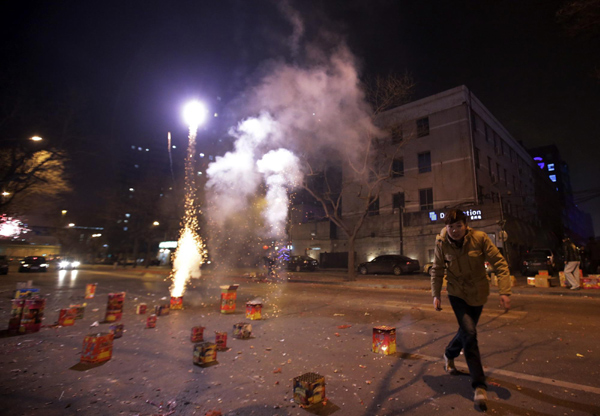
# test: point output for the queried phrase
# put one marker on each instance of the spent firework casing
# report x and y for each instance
(309, 388)
(27, 292)
(197, 334)
(79, 311)
(254, 310)
(384, 340)
(116, 330)
(162, 310)
(33, 314)
(204, 353)
(66, 317)
(176, 302)
(114, 307)
(228, 298)
(90, 290)
(221, 340)
(97, 348)
(141, 309)
(16, 313)
(242, 330)
(151, 321)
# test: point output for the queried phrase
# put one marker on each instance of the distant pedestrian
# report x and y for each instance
(572, 260)
(460, 254)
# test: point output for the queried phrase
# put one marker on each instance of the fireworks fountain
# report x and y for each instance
(190, 247)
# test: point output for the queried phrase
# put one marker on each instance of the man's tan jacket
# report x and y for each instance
(464, 267)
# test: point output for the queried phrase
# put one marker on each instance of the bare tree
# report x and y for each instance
(363, 180)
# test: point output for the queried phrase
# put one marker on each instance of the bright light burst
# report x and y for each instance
(191, 251)
(11, 227)
(194, 114)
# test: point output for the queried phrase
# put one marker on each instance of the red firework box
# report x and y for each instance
(161, 310)
(79, 310)
(97, 348)
(90, 290)
(176, 302)
(141, 309)
(384, 340)
(116, 330)
(205, 353)
(197, 334)
(253, 310)
(16, 313)
(228, 298)
(242, 330)
(221, 340)
(590, 282)
(309, 388)
(114, 307)
(33, 314)
(151, 321)
(66, 317)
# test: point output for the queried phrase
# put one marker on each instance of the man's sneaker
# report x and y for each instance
(480, 399)
(449, 366)
(576, 288)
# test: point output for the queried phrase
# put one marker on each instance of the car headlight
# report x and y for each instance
(75, 264)
(64, 264)
(44, 265)
(25, 265)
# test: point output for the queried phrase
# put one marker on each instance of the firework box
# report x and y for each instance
(543, 272)
(531, 281)
(205, 353)
(79, 311)
(542, 281)
(27, 292)
(590, 282)
(197, 334)
(561, 278)
(66, 317)
(116, 330)
(221, 340)
(162, 310)
(242, 330)
(90, 290)
(228, 298)
(309, 388)
(254, 310)
(97, 348)
(16, 313)
(176, 302)
(384, 340)
(151, 321)
(33, 314)
(114, 307)
(141, 309)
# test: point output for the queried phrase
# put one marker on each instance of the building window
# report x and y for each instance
(374, 207)
(498, 171)
(505, 178)
(487, 133)
(398, 200)
(502, 146)
(490, 166)
(514, 183)
(426, 199)
(396, 133)
(397, 168)
(473, 121)
(480, 194)
(477, 165)
(424, 162)
(423, 127)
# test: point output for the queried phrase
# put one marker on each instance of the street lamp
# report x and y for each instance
(155, 223)
(5, 193)
(36, 139)
(72, 224)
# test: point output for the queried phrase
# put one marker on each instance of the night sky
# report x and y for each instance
(125, 68)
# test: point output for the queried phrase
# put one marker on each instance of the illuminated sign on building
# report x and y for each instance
(473, 214)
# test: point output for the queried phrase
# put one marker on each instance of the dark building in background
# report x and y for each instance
(577, 224)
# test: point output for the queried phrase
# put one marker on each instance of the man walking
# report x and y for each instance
(571, 263)
(460, 254)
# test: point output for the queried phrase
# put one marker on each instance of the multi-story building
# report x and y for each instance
(449, 151)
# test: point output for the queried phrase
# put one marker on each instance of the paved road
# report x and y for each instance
(542, 357)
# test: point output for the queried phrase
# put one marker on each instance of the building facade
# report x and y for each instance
(448, 151)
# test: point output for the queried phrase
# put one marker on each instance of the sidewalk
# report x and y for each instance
(416, 281)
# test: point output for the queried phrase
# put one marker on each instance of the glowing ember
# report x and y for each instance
(190, 248)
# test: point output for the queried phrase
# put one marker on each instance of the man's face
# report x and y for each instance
(456, 230)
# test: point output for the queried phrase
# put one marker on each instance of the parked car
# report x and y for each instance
(68, 263)
(33, 264)
(302, 263)
(389, 264)
(3, 265)
(536, 260)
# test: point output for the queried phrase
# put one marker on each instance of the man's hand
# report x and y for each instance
(437, 304)
(505, 302)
